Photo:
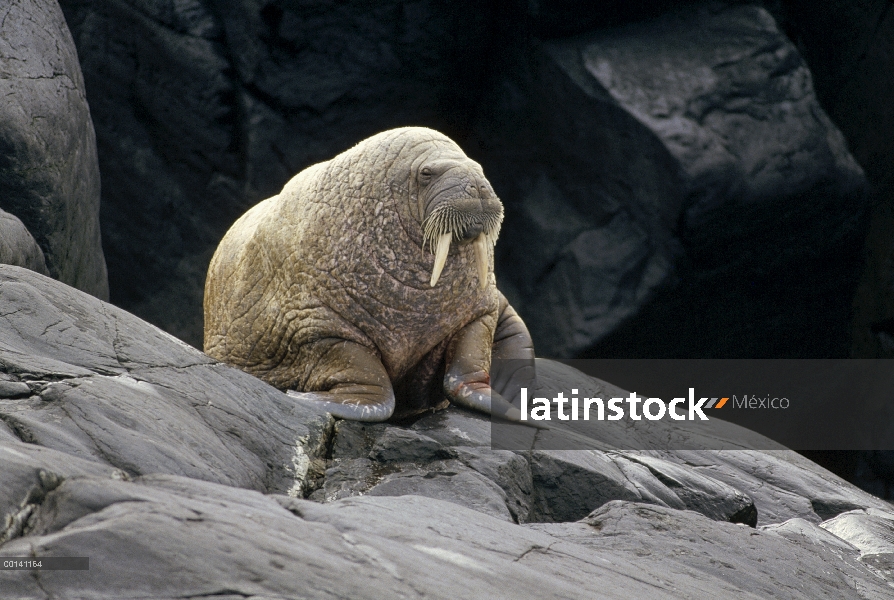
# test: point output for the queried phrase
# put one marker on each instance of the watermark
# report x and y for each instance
(653, 409)
(716, 404)
(44, 563)
(755, 403)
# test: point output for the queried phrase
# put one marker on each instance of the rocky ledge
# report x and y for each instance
(180, 477)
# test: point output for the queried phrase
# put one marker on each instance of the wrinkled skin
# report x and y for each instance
(325, 289)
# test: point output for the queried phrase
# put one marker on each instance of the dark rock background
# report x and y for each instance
(699, 179)
(665, 211)
(204, 108)
(850, 49)
(673, 185)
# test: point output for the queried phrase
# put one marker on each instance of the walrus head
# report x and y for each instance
(459, 205)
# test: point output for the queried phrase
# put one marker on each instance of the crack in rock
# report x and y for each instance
(17, 525)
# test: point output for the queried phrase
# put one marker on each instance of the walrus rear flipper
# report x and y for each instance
(348, 381)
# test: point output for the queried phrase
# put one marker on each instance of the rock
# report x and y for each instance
(456, 428)
(872, 533)
(698, 492)
(569, 484)
(871, 470)
(17, 247)
(690, 183)
(753, 482)
(123, 445)
(447, 480)
(556, 18)
(798, 530)
(29, 473)
(107, 387)
(349, 477)
(594, 248)
(203, 103)
(355, 439)
(49, 174)
(632, 550)
(244, 544)
(650, 182)
(138, 534)
(14, 389)
(847, 45)
(405, 462)
(782, 483)
(710, 559)
(510, 471)
(406, 445)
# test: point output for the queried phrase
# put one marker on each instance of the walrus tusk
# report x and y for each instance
(441, 256)
(481, 259)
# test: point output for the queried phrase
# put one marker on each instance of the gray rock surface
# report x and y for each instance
(704, 554)
(450, 481)
(164, 536)
(538, 482)
(17, 246)
(781, 483)
(49, 174)
(108, 387)
(872, 533)
(690, 182)
(179, 477)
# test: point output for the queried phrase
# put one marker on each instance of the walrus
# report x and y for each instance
(366, 285)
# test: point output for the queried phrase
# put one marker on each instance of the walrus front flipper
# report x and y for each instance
(512, 341)
(467, 377)
(347, 381)
(512, 355)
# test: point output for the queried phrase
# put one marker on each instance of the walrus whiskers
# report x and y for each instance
(446, 224)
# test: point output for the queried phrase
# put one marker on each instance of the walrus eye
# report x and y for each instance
(425, 176)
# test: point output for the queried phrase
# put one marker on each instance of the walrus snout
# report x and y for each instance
(461, 207)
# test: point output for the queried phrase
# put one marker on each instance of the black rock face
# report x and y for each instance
(850, 49)
(689, 199)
